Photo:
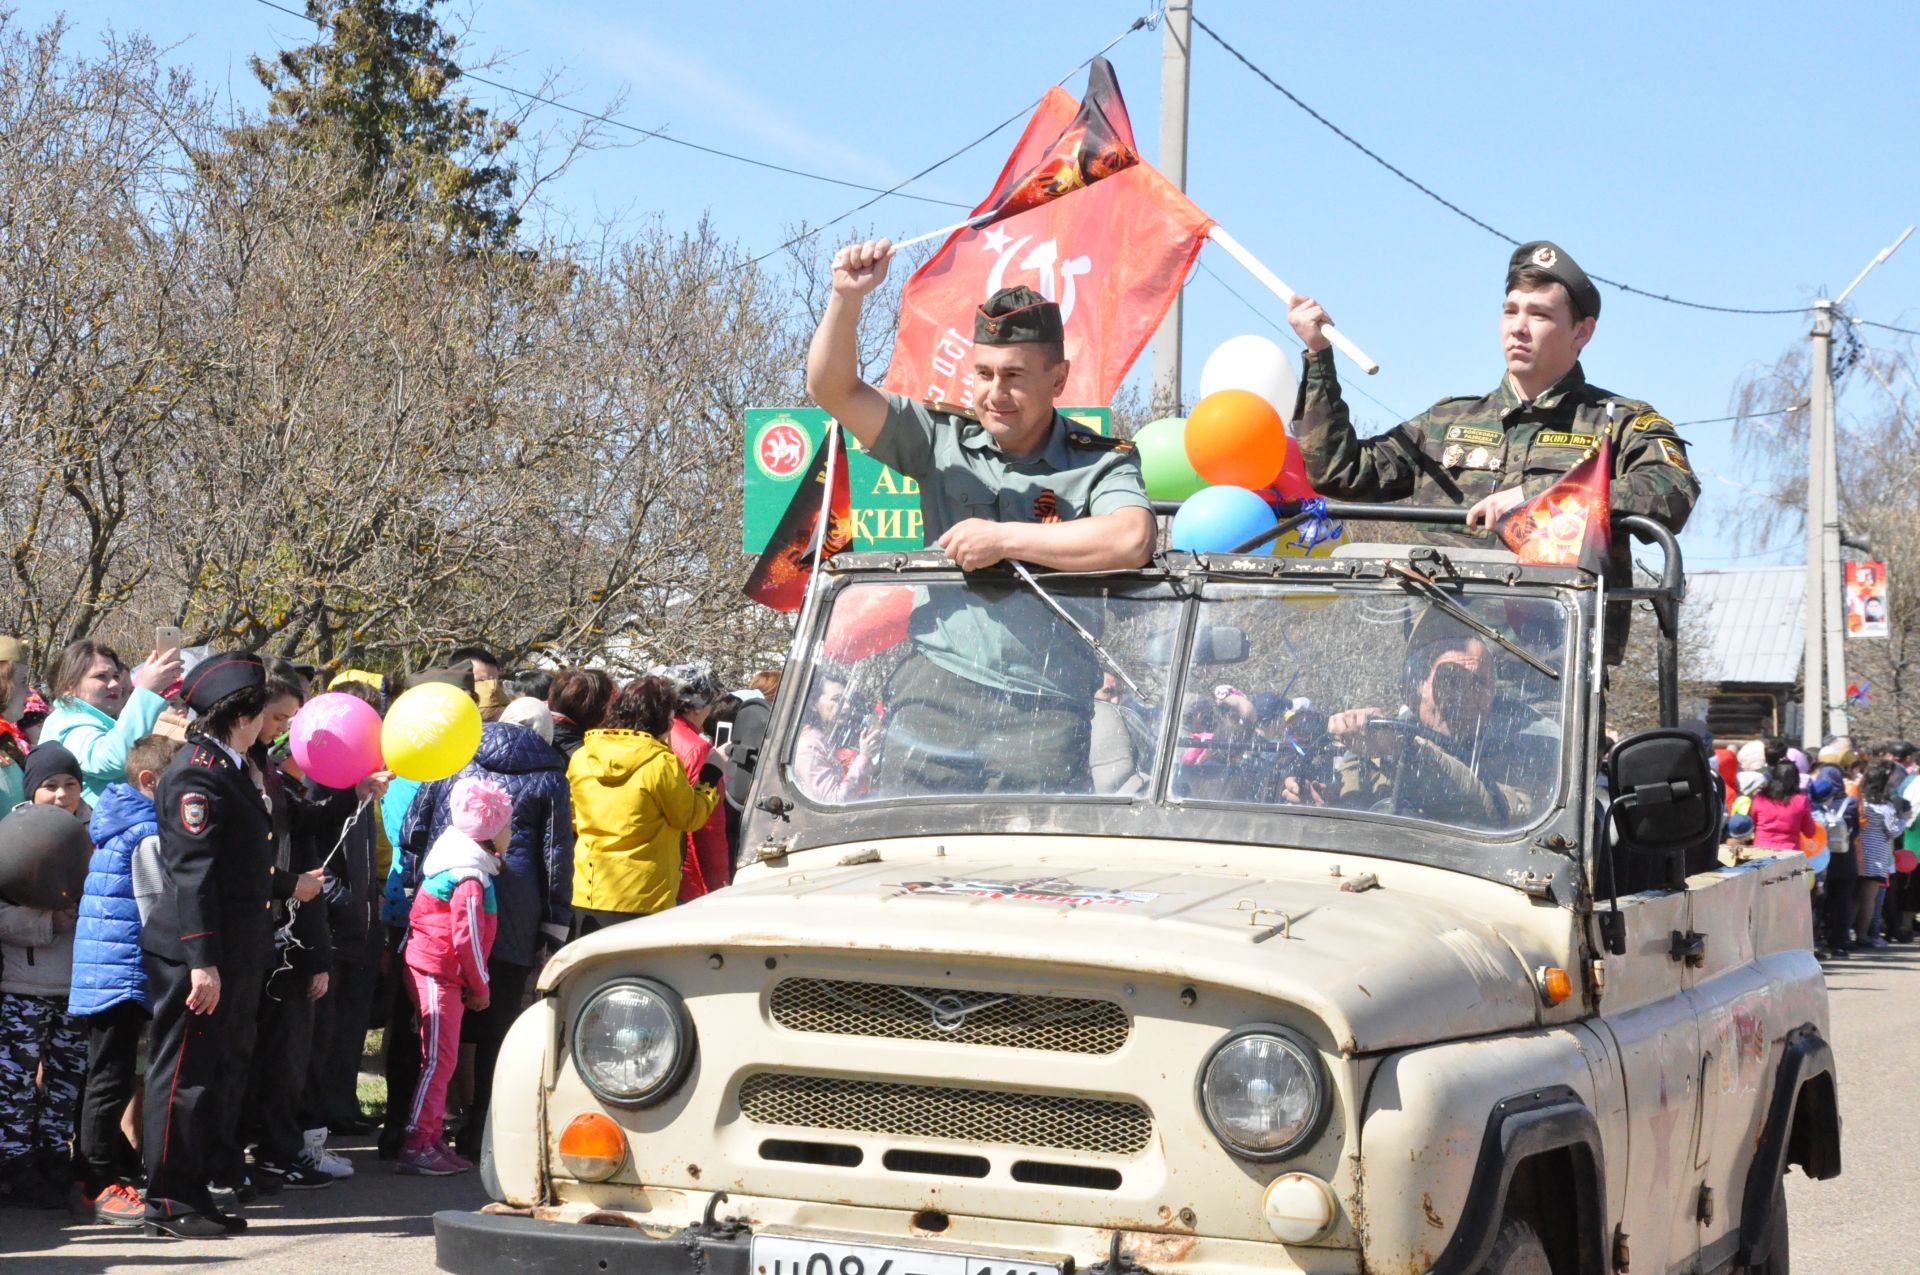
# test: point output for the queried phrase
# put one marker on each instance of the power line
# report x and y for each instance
(946, 159)
(1744, 416)
(664, 136)
(1448, 204)
(1886, 327)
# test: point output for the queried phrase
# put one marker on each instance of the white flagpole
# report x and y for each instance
(826, 509)
(1278, 286)
(944, 231)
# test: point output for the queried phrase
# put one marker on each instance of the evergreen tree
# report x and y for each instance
(380, 82)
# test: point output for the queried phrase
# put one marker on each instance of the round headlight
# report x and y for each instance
(1262, 1093)
(632, 1042)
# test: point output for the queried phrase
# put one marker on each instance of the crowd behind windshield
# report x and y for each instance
(1281, 696)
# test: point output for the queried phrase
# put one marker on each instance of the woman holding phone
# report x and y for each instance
(100, 710)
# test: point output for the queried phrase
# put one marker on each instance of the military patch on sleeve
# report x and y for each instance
(1673, 453)
(1647, 420)
(1561, 439)
(193, 812)
(1473, 434)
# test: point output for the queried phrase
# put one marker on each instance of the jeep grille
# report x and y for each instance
(1058, 1024)
(1106, 1125)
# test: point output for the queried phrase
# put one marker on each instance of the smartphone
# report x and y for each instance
(722, 734)
(167, 637)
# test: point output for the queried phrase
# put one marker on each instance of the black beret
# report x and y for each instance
(1016, 316)
(43, 763)
(1550, 259)
(218, 676)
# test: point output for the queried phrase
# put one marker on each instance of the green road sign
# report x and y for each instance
(886, 506)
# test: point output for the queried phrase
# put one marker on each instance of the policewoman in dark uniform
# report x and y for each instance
(1490, 452)
(208, 942)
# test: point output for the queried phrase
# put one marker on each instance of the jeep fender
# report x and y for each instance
(1803, 1128)
(1448, 1128)
(513, 1166)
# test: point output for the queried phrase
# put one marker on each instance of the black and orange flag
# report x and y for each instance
(1096, 143)
(779, 578)
(1570, 523)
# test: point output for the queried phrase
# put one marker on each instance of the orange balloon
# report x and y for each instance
(1235, 438)
(1811, 846)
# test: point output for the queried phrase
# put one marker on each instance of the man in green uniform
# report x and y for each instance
(1491, 452)
(992, 694)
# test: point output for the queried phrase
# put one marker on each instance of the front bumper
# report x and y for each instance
(486, 1243)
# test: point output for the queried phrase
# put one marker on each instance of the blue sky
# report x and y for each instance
(1745, 155)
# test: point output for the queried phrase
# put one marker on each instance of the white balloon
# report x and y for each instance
(1252, 363)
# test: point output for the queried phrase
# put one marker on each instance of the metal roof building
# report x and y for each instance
(1751, 634)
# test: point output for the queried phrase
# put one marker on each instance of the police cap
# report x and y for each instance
(1016, 316)
(218, 676)
(1551, 260)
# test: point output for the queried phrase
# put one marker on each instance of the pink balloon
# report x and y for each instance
(336, 740)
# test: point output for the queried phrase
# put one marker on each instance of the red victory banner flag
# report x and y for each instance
(1111, 242)
(1570, 523)
(818, 524)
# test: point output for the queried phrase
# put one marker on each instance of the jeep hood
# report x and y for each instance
(1424, 955)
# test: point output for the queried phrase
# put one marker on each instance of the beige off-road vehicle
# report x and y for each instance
(1329, 943)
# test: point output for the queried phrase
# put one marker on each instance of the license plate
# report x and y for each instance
(778, 1254)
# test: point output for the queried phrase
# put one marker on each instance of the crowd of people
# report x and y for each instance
(1853, 813)
(189, 1033)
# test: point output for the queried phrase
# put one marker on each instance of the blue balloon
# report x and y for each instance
(1217, 519)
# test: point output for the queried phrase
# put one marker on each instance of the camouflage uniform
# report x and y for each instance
(1461, 450)
(38, 1037)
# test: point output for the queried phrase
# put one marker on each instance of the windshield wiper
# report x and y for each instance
(1435, 594)
(1020, 569)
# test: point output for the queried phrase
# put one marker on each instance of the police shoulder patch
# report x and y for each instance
(1674, 453)
(1647, 420)
(193, 812)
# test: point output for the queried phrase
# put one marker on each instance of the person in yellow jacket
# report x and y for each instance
(632, 808)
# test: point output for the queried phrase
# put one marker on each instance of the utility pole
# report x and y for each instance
(1826, 604)
(1819, 431)
(1176, 45)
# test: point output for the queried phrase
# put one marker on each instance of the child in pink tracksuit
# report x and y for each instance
(451, 934)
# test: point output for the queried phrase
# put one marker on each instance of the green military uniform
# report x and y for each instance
(999, 693)
(1462, 450)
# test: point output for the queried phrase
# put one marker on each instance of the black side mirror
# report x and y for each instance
(750, 723)
(1666, 811)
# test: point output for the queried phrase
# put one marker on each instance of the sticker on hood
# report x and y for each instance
(1028, 890)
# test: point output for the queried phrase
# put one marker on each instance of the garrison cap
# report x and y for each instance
(1551, 259)
(218, 676)
(1016, 316)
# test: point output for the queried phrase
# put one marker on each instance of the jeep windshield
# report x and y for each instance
(1361, 700)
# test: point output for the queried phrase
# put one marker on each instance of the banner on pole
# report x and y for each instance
(780, 445)
(1866, 596)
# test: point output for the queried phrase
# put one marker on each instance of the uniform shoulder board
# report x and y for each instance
(204, 755)
(1090, 441)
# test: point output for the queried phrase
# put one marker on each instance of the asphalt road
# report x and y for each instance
(381, 1222)
(376, 1221)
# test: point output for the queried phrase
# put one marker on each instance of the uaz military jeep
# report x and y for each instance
(1328, 942)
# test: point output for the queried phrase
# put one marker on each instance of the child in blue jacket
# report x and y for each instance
(109, 985)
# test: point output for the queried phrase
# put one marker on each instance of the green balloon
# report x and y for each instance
(1164, 466)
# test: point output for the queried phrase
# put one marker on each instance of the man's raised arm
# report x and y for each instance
(833, 360)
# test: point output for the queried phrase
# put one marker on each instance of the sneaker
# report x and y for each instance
(454, 1158)
(1879, 943)
(297, 1175)
(318, 1157)
(116, 1204)
(430, 1161)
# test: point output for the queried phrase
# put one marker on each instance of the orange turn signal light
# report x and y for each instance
(592, 1147)
(1555, 985)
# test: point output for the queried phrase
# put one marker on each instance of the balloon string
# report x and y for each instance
(285, 942)
(1318, 528)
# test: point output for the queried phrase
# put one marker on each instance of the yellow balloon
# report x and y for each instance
(431, 732)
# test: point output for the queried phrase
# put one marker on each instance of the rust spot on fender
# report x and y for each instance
(1433, 1218)
(693, 1171)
